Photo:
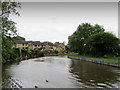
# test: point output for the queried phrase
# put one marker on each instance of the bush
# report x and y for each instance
(32, 53)
(102, 44)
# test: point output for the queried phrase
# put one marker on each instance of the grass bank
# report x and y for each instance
(108, 59)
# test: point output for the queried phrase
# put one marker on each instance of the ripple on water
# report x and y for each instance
(39, 60)
(62, 72)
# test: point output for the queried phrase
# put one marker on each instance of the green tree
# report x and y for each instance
(9, 7)
(8, 29)
(103, 43)
(76, 41)
(19, 38)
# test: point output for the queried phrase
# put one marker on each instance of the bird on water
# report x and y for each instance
(46, 80)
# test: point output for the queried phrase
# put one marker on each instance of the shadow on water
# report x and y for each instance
(6, 83)
(94, 75)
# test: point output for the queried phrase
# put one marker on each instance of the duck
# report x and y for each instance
(36, 86)
(46, 80)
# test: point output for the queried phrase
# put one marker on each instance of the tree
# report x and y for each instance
(8, 29)
(9, 7)
(19, 38)
(8, 26)
(67, 49)
(76, 41)
(102, 43)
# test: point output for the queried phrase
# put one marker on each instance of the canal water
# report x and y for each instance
(61, 72)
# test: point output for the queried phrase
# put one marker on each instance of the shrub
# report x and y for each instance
(101, 44)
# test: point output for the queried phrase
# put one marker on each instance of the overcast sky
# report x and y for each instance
(56, 21)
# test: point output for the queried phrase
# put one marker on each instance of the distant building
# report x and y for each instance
(59, 46)
(22, 45)
(38, 45)
(56, 46)
(47, 45)
(28, 44)
(35, 45)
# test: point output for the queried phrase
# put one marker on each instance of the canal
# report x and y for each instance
(60, 72)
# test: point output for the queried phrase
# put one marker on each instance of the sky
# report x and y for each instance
(54, 22)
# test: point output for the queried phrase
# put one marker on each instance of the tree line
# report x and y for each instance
(92, 40)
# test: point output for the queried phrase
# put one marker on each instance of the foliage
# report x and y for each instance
(0, 48)
(101, 44)
(108, 59)
(31, 53)
(9, 7)
(8, 29)
(6, 47)
(8, 26)
(18, 38)
(55, 51)
(52, 52)
(76, 41)
(67, 49)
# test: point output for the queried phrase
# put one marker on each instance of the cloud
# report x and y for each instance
(56, 21)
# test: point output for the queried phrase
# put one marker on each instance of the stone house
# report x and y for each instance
(35, 45)
(28, 44)
(56, 46)
(38, 45)
(60, 46)
(22, 45)
(47, 46)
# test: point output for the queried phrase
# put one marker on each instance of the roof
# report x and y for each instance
(36, 43)
(39, 43)
(22, 42)
(31, 42)
(56, 43)
(47, 43)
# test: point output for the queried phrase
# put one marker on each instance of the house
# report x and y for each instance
(38, 45)
(59, 46)
(47, 45)
(56, 46)
(28, 44)
(35, 45)
(22, 45)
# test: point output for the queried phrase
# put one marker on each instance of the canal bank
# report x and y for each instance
(115, 64)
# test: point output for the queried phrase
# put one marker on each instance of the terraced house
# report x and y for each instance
(38, 45)
(28, 44)
(59, 46)
(22, 45)
(56, 46)
(47, 45)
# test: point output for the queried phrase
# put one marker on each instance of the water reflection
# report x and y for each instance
(61, 72)
(95, 75)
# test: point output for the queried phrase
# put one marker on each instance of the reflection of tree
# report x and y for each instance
(5, 78)
(92, 74)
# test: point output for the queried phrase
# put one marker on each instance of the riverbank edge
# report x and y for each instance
(26, 58)
(96, 61)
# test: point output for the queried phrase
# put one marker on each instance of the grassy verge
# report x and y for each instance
(110, 59)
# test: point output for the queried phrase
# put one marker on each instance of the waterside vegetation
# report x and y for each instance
(108, 59)
(92, 42)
